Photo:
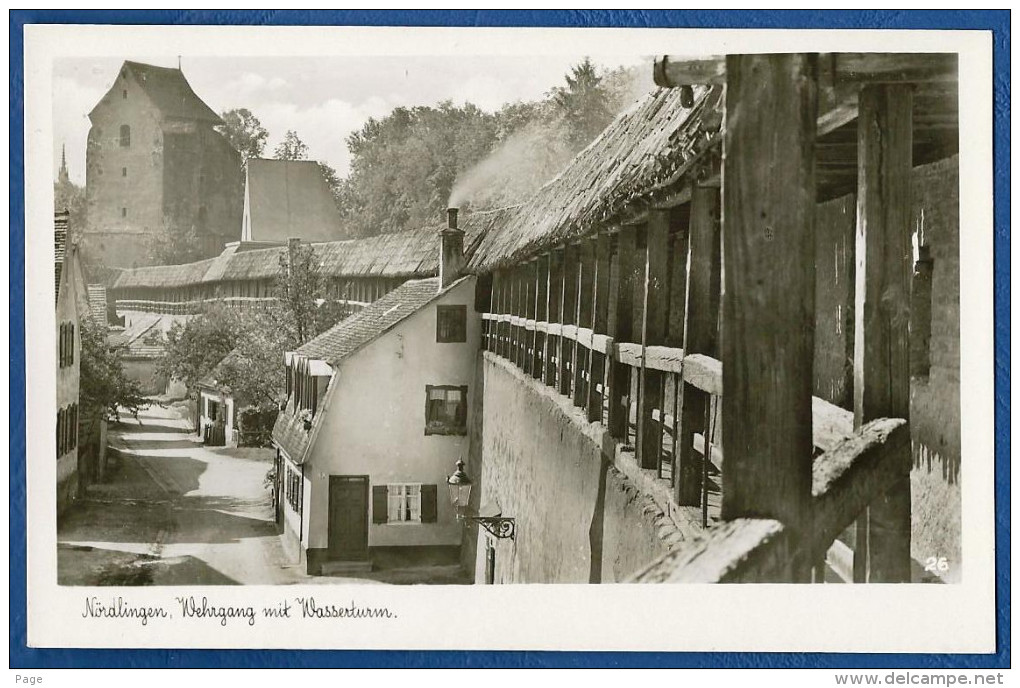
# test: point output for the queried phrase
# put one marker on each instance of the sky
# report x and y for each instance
(322, 99)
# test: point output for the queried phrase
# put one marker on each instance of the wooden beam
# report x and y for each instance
(654, 328)
(623, 331)
(700, 333)
(674, 71)
(882, 308)
(568, 314)
(600, 325)
(762, 550)
(541, 312)
(583, 318)
(555, 295)
(846, 479)
(743, 550)
(768, 304)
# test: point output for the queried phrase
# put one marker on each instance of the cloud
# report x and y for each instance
(323, 127)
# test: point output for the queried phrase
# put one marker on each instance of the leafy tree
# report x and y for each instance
(301, 290)
(291, 148)
(173, 244)
(255, 341)
(245, 133)
(193, 348)
(105, 389)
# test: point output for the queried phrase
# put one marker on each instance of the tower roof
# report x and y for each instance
(170, 92)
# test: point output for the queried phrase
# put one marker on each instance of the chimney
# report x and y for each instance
(451, 256)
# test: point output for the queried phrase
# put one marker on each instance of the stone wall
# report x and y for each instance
(584, 512)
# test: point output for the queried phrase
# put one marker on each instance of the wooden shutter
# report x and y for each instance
(70, 344)
(380, 502)
(428, 503)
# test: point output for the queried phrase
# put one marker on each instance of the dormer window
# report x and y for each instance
(125, 136)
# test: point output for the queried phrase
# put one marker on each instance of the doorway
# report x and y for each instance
(348, 517)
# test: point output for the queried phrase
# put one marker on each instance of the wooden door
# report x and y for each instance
(348, 516)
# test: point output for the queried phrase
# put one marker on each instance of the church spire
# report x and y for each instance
(62, 175)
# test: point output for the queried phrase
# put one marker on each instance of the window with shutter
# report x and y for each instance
(429, 503)
(380, 503)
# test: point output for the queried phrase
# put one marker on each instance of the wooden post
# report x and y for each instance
(882, 306)
(568, 315)
(653, 333)
(701, 333)
(555, 300)
(585, 272)
(541, 313)
(619, 373)
(531, 360)
(497, 304)
(600, 325)
(768, 300)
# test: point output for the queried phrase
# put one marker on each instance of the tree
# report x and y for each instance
(584, 103)
(254, 371)
(291, 148)
(302, 293)
(245, 133)
(173, 244)
(105, 389)
(193, 348)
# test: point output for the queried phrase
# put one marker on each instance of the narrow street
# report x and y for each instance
(174, 512)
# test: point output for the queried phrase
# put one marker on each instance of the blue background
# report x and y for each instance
(995, 21)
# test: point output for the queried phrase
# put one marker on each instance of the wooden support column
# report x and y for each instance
(600, 325)
(768, 300)
(582, 353)
(623, 331)
(530, 364)
(701, 333)
(497, 294)
(568, 316)
(555, 301)
(882, 310)
(541, 313)
(653, 333)
(515, 301)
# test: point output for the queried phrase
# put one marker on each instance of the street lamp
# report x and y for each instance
(460, 494)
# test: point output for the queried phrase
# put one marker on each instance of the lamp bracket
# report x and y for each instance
(498, 526)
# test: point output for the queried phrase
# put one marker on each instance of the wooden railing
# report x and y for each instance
(634, 326)
(196, 306)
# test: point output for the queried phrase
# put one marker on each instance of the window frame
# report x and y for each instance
(430, 427)
(457, 311)
(125, 136)
(406, 503)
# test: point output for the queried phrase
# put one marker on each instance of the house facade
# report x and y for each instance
(377, 415)
(155, 165)
(70, 297)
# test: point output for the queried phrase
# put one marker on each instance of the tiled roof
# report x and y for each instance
(345, 338)
(414, 253)
(211, 379)
(637, 159)
(289, 198)
(164, 275)
(97, 302)
(59, 247)
(171, 93)
(354, 332)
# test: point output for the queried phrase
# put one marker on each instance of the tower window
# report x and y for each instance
(123, 212)
(124, 94)
(125, 135)
(123, 171)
